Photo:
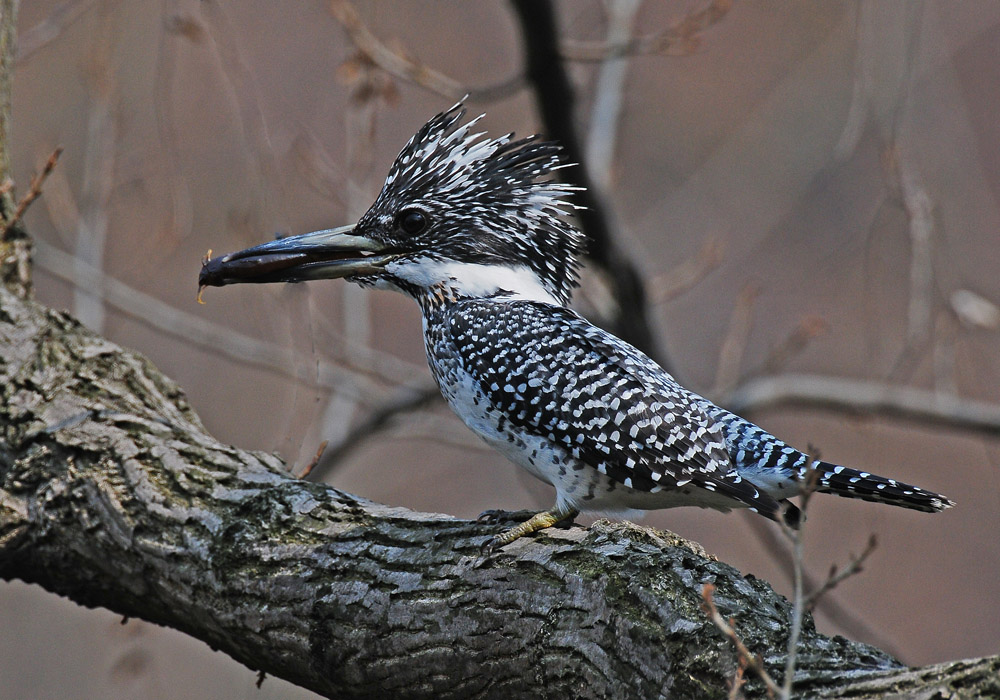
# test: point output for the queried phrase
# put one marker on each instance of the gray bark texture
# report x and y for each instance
(113, 494)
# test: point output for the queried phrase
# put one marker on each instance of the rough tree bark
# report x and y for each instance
(112, 494)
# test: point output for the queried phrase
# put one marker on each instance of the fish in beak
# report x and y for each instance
(325, 254)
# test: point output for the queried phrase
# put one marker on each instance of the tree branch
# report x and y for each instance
(112, 494)
(872, 397)
(405, 68)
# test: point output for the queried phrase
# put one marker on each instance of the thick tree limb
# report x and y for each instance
(112, 494)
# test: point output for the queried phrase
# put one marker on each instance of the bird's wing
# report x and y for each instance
(556, 376)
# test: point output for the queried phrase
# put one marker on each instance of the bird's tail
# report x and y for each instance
(852, 483)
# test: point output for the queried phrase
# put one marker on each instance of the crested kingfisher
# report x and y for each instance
(477, 232)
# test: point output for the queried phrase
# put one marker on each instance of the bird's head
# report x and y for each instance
(459, 214)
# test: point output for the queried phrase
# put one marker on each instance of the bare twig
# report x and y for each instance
(49, 29)
(919, 210)
(679, 39)
(608, 90)
(859, 396)
(406, 68)
(242, 89)
(8, 44)
(34, 190)
(738, 680)
(946, 330)
(307, 469)
(794, 343)
(365, 379)
(669, 285)
(735, 343)
(379, 419)
(178, 29)
(798, 607)
(99, 163)
(849, 621)
(753, 661)
(835, 577)
(810, 480)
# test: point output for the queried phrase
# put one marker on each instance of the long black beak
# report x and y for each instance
(319, 255)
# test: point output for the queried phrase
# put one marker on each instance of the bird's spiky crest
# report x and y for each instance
(489, 198)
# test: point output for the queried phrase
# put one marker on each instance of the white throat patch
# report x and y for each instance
(474, 279)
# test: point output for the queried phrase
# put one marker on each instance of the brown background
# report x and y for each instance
(790, 135)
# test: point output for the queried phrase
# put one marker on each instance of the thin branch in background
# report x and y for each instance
(99, 163)
(49, 29)
(868, 397)
(34, 190)
(679, 279)
(853, 625)
(546, 73)
(802, 602)
(861, 90)
(18, 262)
(966, 310)
(605, 111)
(919, 210)
(377, 421)
(368, 379)
(308, 468)
(738, 680)
(946, 330)
(360, 121)
(753, 661)
(443, 429)
(388, 60)
(810, 479)
(241, 87)
(805, 332)
(836, 577)
(735, 343)
(377, 53)
(368, 81)
(317, 167)
(681, 38)
(180, 30)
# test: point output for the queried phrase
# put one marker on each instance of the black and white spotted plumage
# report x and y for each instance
(474, 232)
(581, 409)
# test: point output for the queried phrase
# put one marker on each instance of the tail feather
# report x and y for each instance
(852, 483)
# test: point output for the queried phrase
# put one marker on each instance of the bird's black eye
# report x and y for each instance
(411, 221)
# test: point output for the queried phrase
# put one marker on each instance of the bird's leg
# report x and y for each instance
(539, 521)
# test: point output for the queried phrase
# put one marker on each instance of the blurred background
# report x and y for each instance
(809, 191)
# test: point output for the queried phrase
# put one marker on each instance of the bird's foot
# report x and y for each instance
(538, 521)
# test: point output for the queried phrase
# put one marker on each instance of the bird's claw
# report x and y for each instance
(495, 516)
(491, 546)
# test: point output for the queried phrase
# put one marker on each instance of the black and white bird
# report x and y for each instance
(474, 231)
